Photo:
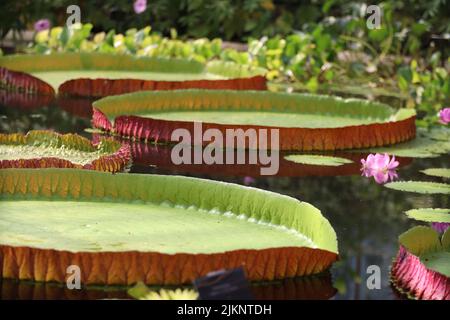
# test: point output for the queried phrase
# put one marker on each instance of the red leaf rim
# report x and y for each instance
(106, 87)
(410, 275)
(114, 162)
(301, 139)
(22, 81)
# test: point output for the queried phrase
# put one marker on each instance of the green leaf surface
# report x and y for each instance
(426, 145)
(419, 187)
(437, 261)
(249, 108)
(437, 172)
(424, 243)
(151, 213)
(429, 214)
(48, 144)
(58, 68)
(420, 240)
(446, 240)
(142, 292)
(317, 160)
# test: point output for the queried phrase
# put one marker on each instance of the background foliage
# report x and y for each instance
(317, 46)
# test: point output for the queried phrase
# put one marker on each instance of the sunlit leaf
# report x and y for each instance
(437, 172)
(429, 214)
(141, 227)
(317, 160)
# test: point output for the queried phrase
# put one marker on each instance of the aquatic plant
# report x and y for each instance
(48, 149)
(422, 265)
(380, 166)
(304, 121)
(102, 74)
(135, 231)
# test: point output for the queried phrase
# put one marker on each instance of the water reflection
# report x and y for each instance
(367, 217)
(317, 287)
(21, 112)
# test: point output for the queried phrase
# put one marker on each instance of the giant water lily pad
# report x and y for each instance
(45, 149)
(422, 265)
(125, 228)
(304, 121)
(97, 74)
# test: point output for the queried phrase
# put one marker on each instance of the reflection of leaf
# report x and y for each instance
(317, 160)
(419, 187)
(430, 214)
(437, 172)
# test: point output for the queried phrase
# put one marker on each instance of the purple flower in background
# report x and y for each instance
(440, 226)
(444, 116)
(140, 6)
(40, 25)
(379, 166)
(248, 181)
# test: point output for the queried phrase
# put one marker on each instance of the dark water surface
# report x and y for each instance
(367, 217)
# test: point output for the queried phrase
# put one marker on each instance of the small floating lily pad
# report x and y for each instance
(437, 172)
(419, 187)
(428, 144)
(430, 214)
(317, 160)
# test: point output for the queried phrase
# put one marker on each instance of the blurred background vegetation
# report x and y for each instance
(316, 46)
(229, 19)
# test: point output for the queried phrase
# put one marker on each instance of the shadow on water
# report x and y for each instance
(367, 217)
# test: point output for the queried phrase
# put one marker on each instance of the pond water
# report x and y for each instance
(367, 217)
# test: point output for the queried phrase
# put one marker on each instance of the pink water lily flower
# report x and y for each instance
(444, 116)
(380, 166)
(41, 25)
(140, 6)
